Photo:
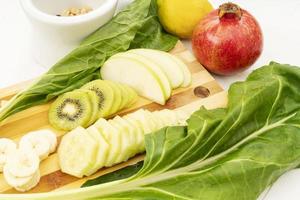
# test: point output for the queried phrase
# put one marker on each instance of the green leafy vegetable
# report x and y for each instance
(128, 28)
(228, 154)
(116, 175)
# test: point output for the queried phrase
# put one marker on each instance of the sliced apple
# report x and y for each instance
(185, 70)
(152, 66)
(135, 74)
(171, 68)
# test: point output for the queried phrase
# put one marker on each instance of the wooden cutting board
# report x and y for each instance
(203, 91)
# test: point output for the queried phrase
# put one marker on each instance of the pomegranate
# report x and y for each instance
(227, 40)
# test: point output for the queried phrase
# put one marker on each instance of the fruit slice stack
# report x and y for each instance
(82, 152)
(20, 165)
(152, 73)
(94, 100)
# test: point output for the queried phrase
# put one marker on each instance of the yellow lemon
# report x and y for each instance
(179, 17)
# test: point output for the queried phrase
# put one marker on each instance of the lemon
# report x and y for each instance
(179, 17)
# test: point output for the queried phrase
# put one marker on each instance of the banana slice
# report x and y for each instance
(22, 163)
(35, 179)
(49, 135)
(7, 146)
(21, 184)
(38, 143)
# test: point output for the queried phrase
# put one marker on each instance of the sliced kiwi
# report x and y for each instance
(71, 110)
(95, 102)
(105, 96)
(124, 96)
(117, 101)
(132, 95)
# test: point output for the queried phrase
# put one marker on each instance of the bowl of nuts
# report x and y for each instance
(58, 26)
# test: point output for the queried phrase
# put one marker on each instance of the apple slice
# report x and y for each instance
(152, 66)
(185, 70)
(171, 68)
(135, 74)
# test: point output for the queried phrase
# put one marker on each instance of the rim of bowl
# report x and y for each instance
(34, 12)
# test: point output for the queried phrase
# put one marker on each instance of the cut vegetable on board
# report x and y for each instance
(96, 99)
(82, 152)
(140, 29)
(104, 123)
(152, 73)
(20, 163)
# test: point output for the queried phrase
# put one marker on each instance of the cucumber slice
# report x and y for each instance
(113, 138)
(133, 140)
(77, 152)
(145, 119)
(159, 121)
(125, 140)
(138, 132)
(169, 117)
(182, 117)
(102, 153)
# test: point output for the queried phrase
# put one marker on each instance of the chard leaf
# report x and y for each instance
(82, 64)
(116, 175)
(228, 154)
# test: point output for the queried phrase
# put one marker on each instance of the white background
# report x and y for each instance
(279, 19)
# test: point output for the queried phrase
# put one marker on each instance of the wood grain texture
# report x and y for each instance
(36, 118)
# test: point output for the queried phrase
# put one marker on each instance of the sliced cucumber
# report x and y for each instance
(125, 140)
(145, 119)
(112, 136)
(103, 149)
(77, 152)
(133, 149)
(159, 121)
(169, 116)
(138, 132)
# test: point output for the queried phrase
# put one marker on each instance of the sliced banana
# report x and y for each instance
(35, 179)
(22, 163)
(38, 143)
(49, 135)
(7, 146)
(21, 184)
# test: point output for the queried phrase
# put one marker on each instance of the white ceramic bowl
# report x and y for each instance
(54, 36)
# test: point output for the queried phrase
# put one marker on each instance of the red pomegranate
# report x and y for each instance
(227, 40)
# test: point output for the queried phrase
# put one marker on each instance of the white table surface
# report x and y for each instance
(279, 19)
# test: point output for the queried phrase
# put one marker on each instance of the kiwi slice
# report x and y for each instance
(71, 110)
(105, 96)
(132, 95)
(95, 102)
(117, 101)
(124, 97)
